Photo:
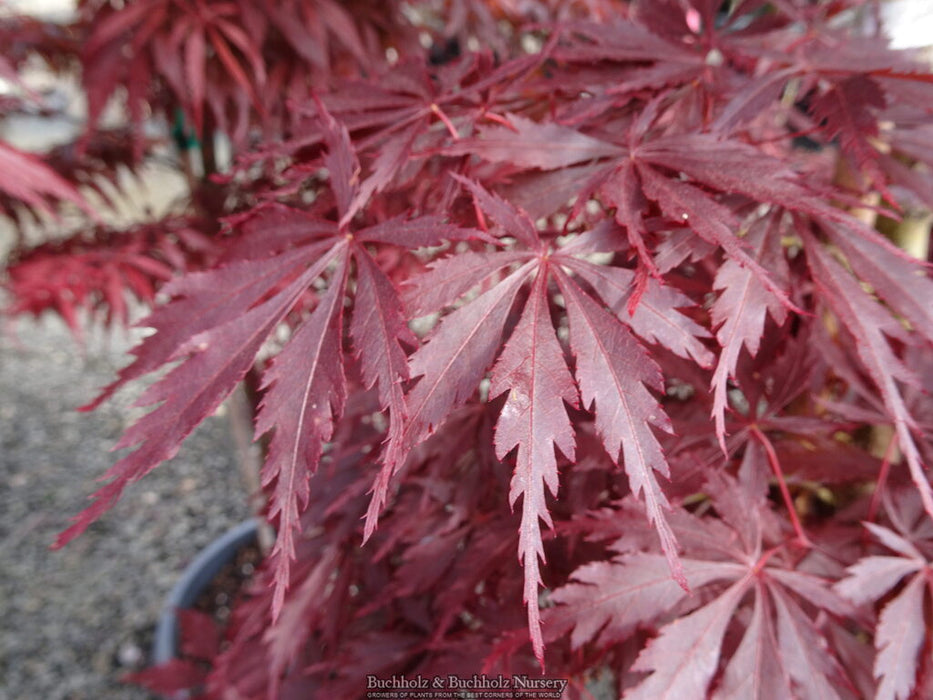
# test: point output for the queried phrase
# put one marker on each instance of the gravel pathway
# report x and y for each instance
(73, 621)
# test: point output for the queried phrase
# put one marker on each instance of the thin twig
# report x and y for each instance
(248, 454)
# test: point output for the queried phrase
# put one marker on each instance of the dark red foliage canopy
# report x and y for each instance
(569, 323)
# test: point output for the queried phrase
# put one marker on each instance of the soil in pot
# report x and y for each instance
(217, 599)
(198, 609)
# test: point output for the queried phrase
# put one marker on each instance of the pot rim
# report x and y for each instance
(196, 576)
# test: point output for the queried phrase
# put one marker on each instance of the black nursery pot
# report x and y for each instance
(194, 580)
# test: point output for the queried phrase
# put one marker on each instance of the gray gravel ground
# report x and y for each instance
(73, 621)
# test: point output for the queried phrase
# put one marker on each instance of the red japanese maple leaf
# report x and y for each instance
(217, 321)
(612, 371)
(901, 633)
(743, 588)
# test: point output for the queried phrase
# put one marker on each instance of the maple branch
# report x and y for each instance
(887, 458)
(208, 147)
(446, 120)
(782, 484)
(249, 454)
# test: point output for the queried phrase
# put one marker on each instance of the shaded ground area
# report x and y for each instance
(73, 621)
